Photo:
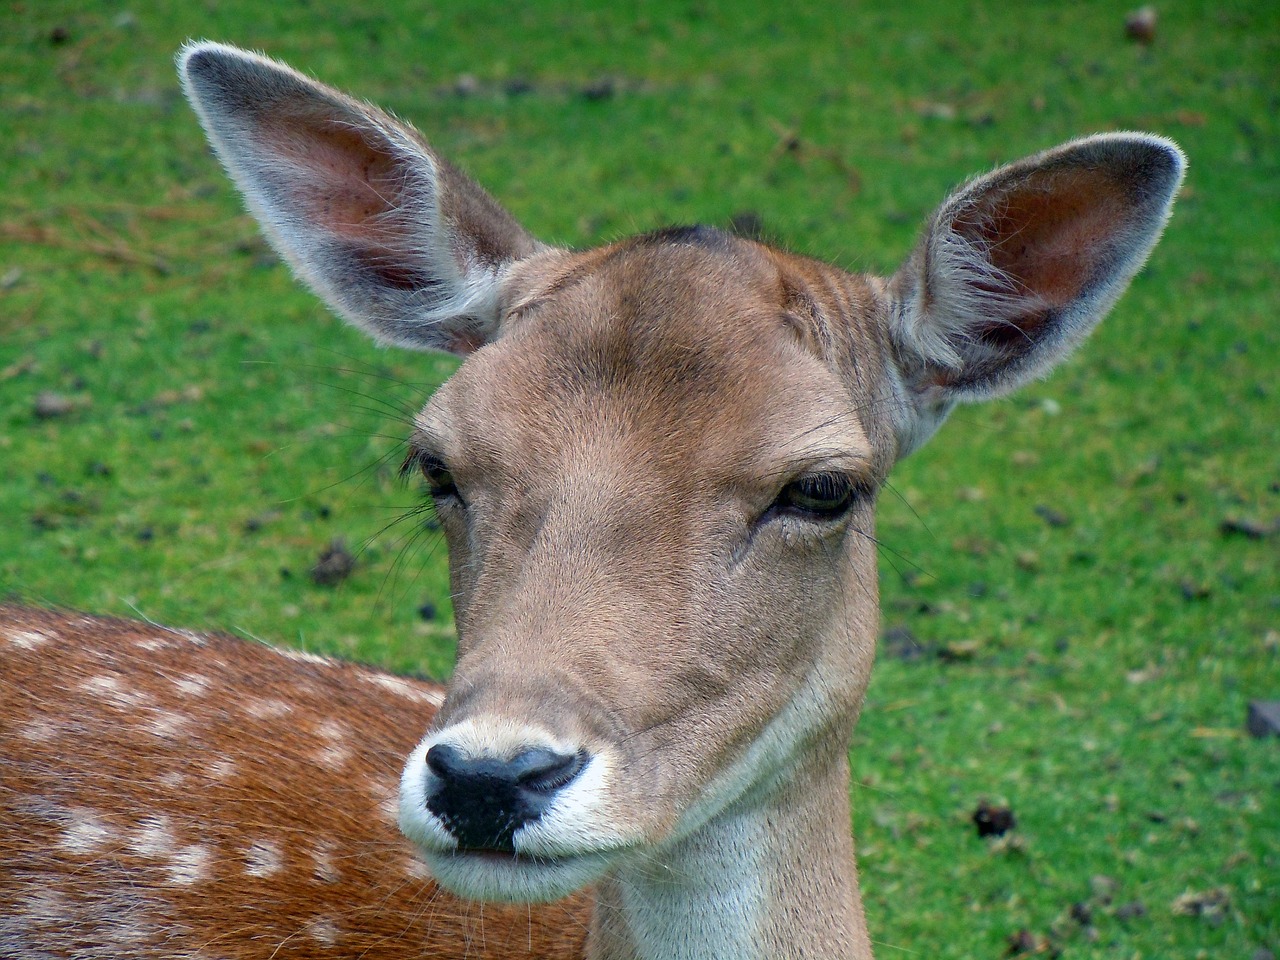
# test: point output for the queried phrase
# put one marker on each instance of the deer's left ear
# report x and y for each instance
(1018, 266)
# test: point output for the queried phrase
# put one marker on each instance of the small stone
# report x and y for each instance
(1209, 905)
(1140, 25)
(334, 566)
(1191, 590)
(49, 405)
(1103, 887)
(1131, 910)
(993, 821)
(1263, 719)
(1026, 942)
(601, 89)
(1054, 518)
(427, 611)
(935, 111)
(959, 651)
(1245, 527)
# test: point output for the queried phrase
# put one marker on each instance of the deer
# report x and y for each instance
(656, 469)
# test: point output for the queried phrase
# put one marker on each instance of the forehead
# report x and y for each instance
(683, 338)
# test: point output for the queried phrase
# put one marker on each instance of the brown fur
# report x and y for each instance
(108, 804)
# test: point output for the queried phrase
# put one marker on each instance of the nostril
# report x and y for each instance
(444, 761)
(538, 769)
(545, 771)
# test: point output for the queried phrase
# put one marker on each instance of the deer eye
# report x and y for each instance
(817, 496)
(439, 480)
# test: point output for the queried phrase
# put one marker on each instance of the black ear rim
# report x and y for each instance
(1150, 167)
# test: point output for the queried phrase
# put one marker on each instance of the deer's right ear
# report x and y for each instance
(391, 236)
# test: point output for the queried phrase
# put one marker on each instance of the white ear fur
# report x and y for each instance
(1017, 267)
(391, 236)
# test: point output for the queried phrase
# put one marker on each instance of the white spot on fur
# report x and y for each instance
(323, 931)
(191, 637)
(190, 864)
(41, 731)
(101, 686)
(303, 657)
(326, 871)
(169, 725)
(193, 684)
(87, 833)
(46, 907)
(267, 709)
(173, 780)
(152, 838)
(153, 644)
(405, 688)
(333, 755)
(332, 730)
(263, 858)
(222, 769)
(111, 690)
(388, 803)
(26, 639)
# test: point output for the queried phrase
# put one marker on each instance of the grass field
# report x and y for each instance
(1081, 585)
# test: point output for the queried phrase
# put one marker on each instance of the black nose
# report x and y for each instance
(484, 801)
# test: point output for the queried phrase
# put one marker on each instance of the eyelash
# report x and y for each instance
(821, 497)
(440, 481)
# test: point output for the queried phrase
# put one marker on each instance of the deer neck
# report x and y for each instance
(771, 877)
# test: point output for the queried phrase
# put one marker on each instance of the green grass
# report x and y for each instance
(225, 429)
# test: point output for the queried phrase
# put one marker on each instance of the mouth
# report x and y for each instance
(515, 877)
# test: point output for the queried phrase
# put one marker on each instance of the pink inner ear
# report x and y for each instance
(345, 181)
(1049, 232)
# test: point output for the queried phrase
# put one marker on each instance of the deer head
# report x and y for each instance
(657, 471)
